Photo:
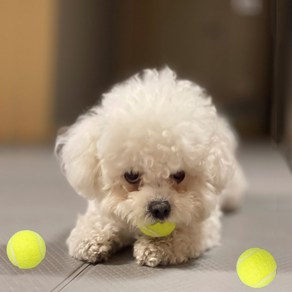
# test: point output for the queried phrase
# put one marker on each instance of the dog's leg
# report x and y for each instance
(183, 244)
(96, 237)
(176, 248)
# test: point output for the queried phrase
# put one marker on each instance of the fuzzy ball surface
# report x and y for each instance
(26, 249)
(256, 267)
(158, 229)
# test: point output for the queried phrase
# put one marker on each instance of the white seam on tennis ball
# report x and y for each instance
(240, 260)
(153, 233)
(39, 244)
(266, 278)
(13, 254)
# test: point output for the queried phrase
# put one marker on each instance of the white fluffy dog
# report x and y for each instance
(155, 149)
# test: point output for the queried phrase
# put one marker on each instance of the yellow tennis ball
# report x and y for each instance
(158, 229)
(256, 267)
(26, 249)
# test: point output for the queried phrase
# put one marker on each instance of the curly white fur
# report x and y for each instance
(156, 125)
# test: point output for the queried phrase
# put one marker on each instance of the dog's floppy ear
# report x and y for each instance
(77, 154)
(221, 157)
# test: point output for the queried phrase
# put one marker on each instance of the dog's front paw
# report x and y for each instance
(148, 254)
(90, 251)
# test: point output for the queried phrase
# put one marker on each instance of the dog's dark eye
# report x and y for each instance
(132, 177)
(179, 176)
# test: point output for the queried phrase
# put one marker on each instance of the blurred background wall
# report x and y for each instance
(58, 56)
(27, 66)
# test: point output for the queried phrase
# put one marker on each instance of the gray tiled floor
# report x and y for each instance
(34, 195)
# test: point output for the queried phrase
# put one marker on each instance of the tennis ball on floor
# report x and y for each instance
(26, 249)
(256, 267)
(158, 229)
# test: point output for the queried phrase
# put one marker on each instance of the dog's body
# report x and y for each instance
(154, 141)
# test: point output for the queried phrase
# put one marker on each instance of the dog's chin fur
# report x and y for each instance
(155, 125)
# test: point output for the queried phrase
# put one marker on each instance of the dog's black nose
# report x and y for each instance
(159, 209)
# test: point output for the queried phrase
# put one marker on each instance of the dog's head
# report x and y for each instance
(154, 150)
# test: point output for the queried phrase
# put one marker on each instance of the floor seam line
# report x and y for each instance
(63, 284)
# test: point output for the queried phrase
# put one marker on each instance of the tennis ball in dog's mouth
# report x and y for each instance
(26, 249)
(158, 229)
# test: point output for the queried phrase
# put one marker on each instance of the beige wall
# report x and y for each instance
(27, 30)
